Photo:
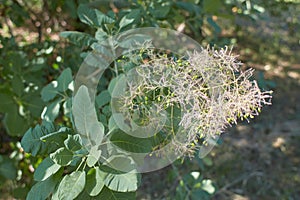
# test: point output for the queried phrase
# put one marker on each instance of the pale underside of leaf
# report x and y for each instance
(71, 185)
(91, 131)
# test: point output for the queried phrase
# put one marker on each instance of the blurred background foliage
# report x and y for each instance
(256, 161)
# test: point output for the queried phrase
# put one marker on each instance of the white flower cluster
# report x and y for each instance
(207, 86)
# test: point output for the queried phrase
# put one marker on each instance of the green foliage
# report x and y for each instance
(71, 186)
(65, 153)
(113, 195)
(192, 186)
(19, 90)
(70, 164)
(122, 182)
(80, 154)
(62, 156)
(8, 169)
(35, 140)
(57, 95)
(130, 143)
(73, 142)
(61, 85)
(94, 181)
(78, 38)
(90, 130)
(92, 17)
(43, 189)
(46, 169)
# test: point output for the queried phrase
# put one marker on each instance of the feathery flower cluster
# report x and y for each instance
(208, 87)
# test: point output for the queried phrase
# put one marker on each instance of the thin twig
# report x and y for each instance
(243, 178)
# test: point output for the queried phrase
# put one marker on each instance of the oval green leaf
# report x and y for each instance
(94, 182)
(62, 156)
(45, 169)
(71, 185)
